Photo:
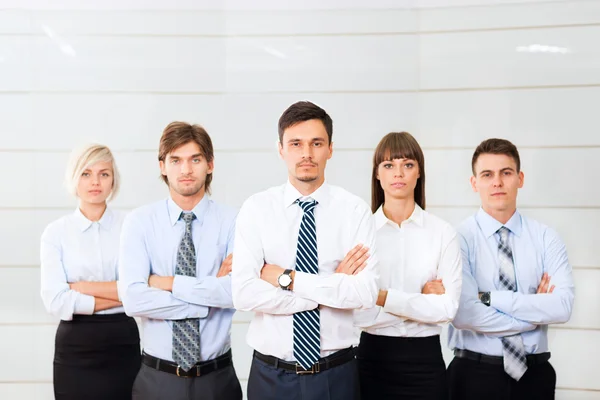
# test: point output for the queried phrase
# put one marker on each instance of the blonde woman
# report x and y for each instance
(97, 351)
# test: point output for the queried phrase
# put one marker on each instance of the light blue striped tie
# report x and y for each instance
(307, 326)
(186, 332)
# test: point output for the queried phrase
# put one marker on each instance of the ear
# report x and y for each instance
(474, 183)
(330, 150)
(211, 167)
(521, 179)
(163, 170)
(280, 149)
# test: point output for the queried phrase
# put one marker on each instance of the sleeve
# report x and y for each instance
(474, 315)
(250, 293)
(59, 300)
(209, 291)
(341, 290)
(433, 308)
(139, 299)
(546, 308)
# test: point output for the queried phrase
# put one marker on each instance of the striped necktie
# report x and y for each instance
(307, 326)
(186, 332)
(515, 361)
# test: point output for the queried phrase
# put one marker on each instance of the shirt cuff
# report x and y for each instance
(502, 300)
(182, 286)
(304, 284)
(396, 302)
(84, 304)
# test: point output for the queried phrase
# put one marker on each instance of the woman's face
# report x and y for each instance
(398, 178)
(96, 183)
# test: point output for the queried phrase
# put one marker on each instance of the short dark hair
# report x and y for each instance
(496, 146)
(177, 134)
(397, 145)
(304, 111)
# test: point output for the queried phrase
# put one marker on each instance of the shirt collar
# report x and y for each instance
(84, 224)
(381, 219)
(489, 225)
(291, 194)
(199, 210)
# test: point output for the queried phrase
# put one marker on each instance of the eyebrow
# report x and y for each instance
(193, 156)
(503, 169)
(317, 139)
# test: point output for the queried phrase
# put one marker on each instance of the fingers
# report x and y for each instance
(354, 260)
(433, 287)
(344, 262)
(551, 289)
(545, 282)
(362, 263)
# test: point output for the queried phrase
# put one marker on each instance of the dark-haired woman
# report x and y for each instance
(420, 265)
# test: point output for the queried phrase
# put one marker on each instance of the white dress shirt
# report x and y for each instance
(74, 249)
(267, 232)
(421, 249)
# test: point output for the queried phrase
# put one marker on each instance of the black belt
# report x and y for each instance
(334, 360)
(200, 369)
(532, 359)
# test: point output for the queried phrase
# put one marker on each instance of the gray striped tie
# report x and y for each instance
(515, 360)
(307, 326)
(186, 332)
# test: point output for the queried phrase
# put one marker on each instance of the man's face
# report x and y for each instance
(497, 181)
(186, 169)
(305, 148)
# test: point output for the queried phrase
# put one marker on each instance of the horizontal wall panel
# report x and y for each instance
(514, 58)
(199, 64)
(502, 16)
(532, 117)
(234, 121)
(216, 22)
(358, 63)
(27, 391)
(574, 394)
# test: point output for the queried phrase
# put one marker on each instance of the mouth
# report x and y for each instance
(499, 194)
(94, 192)
(307, 165)
(398, 185)
(186, 180)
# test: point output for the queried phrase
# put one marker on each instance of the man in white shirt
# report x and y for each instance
(289, 267)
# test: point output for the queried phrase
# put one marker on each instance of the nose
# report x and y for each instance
(399, 171)
(307, 152)
(497, 182)
(186, 168)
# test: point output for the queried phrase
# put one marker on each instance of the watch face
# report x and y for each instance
(284, 280)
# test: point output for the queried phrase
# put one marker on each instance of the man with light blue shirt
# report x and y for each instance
(516, 281)
(175, 275)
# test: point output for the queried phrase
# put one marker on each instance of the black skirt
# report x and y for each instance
(96, 357)
(401, 368)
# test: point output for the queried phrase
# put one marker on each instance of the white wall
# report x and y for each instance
(453, 72)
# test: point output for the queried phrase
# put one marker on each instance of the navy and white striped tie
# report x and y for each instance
(515, 361)
(307, 325)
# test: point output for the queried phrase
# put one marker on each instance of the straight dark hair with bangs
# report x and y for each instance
(397, 145)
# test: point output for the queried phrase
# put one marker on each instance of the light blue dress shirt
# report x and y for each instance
(74, 249)
(536, 249)
(149, 242)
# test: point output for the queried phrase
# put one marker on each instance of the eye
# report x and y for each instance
(317, 144)
(174, 161)
(196, 160)
(387, 165)
(409, 165)
(295, 144)
(486, 175)
(86, 174)
(105, 174)
(507, 173)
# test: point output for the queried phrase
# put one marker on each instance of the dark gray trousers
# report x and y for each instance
(151, 384)
(268, 383)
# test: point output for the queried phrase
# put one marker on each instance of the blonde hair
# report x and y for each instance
(82, 159)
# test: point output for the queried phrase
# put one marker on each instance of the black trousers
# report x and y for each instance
(470, 379)
(401, 368)
(269, 383)
(96, 357)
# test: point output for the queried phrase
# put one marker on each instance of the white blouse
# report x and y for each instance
(75, 249)
(421, 249)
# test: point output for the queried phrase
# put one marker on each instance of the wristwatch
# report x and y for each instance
(486, 298)
(285, 279)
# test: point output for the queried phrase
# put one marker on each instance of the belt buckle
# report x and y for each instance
(177, 372)
(315, 369)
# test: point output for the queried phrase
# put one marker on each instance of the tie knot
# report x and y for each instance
(503, 233)
(188, 217)
(307, 206)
